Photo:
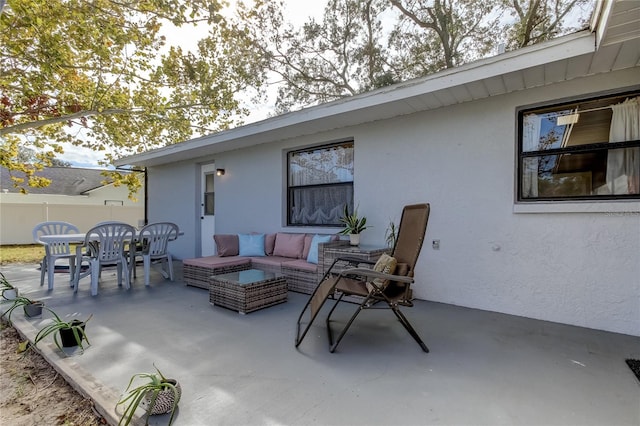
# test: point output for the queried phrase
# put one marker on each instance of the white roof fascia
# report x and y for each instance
(600, 17)
(297, 123)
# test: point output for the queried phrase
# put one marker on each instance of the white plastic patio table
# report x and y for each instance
(79, 238)
(72, 238)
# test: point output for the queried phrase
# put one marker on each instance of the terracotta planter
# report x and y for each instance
(67, 337)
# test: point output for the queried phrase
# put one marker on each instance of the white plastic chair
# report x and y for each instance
(152, 245)
(105, 244)
(55, 249)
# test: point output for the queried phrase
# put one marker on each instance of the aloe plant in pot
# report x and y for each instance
(32, 308)
(157, 395)
(71, 333)
(353, 225)
(7, 290)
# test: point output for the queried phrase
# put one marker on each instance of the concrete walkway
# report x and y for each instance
(484, 368)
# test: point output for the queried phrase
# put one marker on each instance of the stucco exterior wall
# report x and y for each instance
(173, 196)
(571, 267)
(576, 264)
(255, 181)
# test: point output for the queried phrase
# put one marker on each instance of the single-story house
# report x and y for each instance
(77, 195)
(525, 158)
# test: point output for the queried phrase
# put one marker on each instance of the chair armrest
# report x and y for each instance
(354, 260)
(371, 274)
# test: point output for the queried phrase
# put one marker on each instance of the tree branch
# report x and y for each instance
(54, 120)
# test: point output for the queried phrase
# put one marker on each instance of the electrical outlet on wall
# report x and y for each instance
(435, 244)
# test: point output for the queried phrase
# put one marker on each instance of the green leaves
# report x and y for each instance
(54, 328)
(151, 386)
(99, 74)
(353, 223)
(540, 20)
(360, 45)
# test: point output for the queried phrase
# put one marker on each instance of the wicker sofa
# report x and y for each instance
(284, 252)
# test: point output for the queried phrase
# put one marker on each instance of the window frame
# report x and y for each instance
(521, 155)
(206, 194)
(291, 188)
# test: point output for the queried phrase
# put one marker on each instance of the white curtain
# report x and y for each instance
(320, 205)
(623, 165)
(530, 142)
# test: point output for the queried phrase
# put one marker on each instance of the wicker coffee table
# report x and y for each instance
(248, 291)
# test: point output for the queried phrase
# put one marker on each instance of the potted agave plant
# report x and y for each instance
(32, 308)
(353, 225)
(156, 394)
(71, 333)
(7, 290)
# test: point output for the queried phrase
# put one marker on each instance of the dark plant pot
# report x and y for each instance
(164, 401)
(33, 310)
(67, 337)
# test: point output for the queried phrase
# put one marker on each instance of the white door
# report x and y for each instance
(207, 210)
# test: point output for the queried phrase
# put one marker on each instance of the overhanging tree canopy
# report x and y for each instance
(359, 45)
(103, 68)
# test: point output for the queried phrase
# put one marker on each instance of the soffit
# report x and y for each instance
(621, 19)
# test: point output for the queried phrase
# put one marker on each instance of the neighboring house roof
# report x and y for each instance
(64, 180)
(612, 44)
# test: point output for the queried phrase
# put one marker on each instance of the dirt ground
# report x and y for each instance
(33, 393)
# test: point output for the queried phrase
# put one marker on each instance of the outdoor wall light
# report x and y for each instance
(220, 172)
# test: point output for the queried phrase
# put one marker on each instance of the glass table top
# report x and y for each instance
(250, 276)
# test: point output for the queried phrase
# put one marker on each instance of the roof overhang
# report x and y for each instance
(558, 60)
(616, 21)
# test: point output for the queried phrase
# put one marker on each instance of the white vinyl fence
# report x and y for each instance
(17, 220)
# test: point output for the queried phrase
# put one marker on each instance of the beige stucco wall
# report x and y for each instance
(96, 197)
(19, 213)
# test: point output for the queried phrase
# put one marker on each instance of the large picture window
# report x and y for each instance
(581, 150)
(320, 183)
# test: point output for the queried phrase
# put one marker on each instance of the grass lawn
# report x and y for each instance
(28, 253)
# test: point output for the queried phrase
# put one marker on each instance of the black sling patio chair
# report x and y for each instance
(387, 285)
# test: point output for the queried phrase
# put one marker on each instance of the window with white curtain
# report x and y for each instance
(588, 149)
(320, 183)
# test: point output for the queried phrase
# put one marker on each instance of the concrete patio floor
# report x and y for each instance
(483, 368)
